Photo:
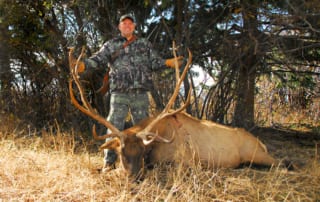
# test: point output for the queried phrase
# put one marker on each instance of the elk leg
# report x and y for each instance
(263, 159)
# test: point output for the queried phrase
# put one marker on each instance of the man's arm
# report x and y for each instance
(157, 61)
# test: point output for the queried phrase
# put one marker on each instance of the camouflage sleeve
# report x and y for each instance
(157, 62)
(99, 60)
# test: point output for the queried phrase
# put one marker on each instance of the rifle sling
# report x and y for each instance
(105, 84)
(125, 44)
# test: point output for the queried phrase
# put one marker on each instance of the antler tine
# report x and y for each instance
(103, 137)
(179, 79)
(155, 136)
(89, 113)
(74, 73)
(87, 108)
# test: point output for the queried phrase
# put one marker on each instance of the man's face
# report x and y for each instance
(126, 27)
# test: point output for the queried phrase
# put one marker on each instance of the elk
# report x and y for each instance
(164, 136)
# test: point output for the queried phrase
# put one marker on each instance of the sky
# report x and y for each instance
(203, 76)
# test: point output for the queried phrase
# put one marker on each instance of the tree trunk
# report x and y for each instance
(178, 37)
(244, 108)
(6, 75)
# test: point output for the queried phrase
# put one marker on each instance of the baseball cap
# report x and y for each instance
(126, 16)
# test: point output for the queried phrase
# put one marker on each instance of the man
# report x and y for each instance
(130, 61)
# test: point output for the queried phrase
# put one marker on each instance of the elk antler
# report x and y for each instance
(86, 108)
(145, 134)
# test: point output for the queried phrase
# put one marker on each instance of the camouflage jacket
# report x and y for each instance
(130, 67)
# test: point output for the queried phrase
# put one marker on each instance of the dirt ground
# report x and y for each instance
(298, 147)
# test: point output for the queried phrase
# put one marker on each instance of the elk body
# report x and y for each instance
(174, 136)
(194, 141)
(213, 145)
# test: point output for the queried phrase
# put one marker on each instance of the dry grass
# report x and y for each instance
(51, 167)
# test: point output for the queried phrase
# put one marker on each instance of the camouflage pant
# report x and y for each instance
(120, 105)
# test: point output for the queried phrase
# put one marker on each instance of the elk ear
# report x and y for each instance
(113, 144)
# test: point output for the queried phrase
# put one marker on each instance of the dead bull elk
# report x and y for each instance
(164, 136)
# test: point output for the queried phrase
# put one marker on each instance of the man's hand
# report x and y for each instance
(171, 62)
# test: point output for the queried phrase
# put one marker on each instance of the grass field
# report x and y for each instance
(57, 166)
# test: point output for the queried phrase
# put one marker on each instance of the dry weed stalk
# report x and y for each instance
(30, 170)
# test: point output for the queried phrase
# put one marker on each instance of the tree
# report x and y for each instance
(235, 42)
(265, 37)
(6, 76)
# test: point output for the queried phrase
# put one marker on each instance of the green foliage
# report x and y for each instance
(294, 81)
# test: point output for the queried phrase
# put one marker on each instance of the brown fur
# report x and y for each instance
(213, 145)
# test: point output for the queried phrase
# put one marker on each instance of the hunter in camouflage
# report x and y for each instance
(130, 61)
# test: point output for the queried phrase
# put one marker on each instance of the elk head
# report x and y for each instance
(131, 143)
